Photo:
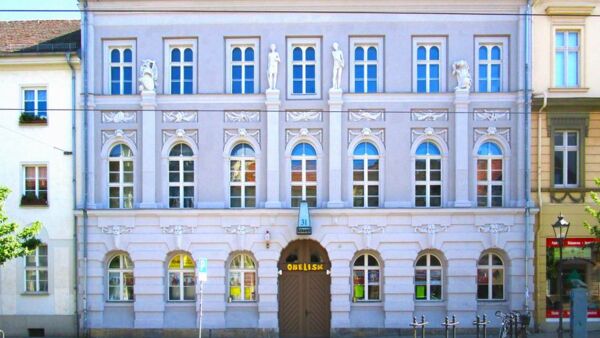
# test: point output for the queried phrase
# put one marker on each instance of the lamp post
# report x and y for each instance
(561, 229)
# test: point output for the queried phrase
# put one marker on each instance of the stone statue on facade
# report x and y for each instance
(460, 69)
(338, 66)
(148, 77)
(273, 67)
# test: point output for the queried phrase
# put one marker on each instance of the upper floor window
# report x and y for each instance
(566, 58)
(121, 71)
(242, 177)
(428, 175)
(428, 64)
(566, 158)
(120, 177)
(181, 176)
(35, 102)
(36, 270)
(120, 278)
(428, 278)
(365, 69)
(489, 175)
(366, 279)
(242, 279)
(35, 186)
(365, 175)
(182, 278)
(304, 69)
(490, 277)
(490, 68)
(304, 175)
(242, 70)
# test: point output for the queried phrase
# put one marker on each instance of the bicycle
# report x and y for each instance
(514, 324)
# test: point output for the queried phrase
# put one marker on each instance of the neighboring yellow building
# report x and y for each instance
(565, 148)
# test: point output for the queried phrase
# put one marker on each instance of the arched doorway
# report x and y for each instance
(304, 290)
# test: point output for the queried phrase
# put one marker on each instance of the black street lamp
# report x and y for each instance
(561, 229)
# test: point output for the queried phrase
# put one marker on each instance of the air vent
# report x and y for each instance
(36, 332)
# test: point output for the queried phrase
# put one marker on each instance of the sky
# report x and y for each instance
(37, 4)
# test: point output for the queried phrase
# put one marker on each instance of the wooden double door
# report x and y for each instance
(304, 291)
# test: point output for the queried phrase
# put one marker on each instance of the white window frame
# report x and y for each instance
(37, 268)
(365, 269)
(490, 267)
(243, 270)
(489, 183)
(366, 42)
(107, 47)
(428, 42)
(181, 272)
(121, 184)
(579, 29)
(181, 184)
(182, 44)
(428, 182)
(36, 99)
(121, 271)
(242, 43)
(304, 183)
(490, 42)
(565, 149)
(365, 183)
(243, 184)
(303, 43)
(428, 268)
(36, 177)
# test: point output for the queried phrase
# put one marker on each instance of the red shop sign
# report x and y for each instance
(572, 242)
(567, 313)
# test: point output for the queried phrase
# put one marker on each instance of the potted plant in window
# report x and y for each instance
(33, 200)
(29, 118)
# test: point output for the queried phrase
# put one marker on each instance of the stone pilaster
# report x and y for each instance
(335, 149)
(148, 149)
(273, 105)
(149, 305)
(267, 288)
(461, 148)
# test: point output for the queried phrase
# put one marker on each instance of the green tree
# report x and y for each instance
(594, 228)
(15, 243)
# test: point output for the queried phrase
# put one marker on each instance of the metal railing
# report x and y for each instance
(514, 325)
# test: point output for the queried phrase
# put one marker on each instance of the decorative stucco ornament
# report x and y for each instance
(494, 229)
(460, 69)
(273, 67)
(240, 231)
(338, 66)
(431, 230)
(148, 76)
(367, 231)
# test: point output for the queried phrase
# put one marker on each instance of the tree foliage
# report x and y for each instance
(14, 242)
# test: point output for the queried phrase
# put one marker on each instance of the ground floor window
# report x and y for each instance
(579, 264)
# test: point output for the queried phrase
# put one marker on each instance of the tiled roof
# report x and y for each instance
(39, 36)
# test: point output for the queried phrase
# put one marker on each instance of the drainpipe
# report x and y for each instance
(74, 184)
(84, 38)
(528, 204)
(539, 150)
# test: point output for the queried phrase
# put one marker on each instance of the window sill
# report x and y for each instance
(568, 89)
(433, 303)
(41, 122)
(368, 303)
(252, 303)
(492, 301)
(120, 303)
(35, 294)
(182, 303)
(34, 204)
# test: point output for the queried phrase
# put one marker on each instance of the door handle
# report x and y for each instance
(306, 313)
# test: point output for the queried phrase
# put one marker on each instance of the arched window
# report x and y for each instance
(304, 175)
(121, 71)
(120, 278)
(428, 69)
(304, 70)
(242, 178)
(489, 175)
(490, 277)
(365, 173)
(428, 278)
(182, 70)
(120, 177)
(182, 278)
(242, 70)
(366, 279)
(365, 69)
(242, 278)
(181, 176)
(428, 175)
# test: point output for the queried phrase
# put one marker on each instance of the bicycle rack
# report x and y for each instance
(478, 322)
(2, 333)
(419, 325)
(453, 324)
